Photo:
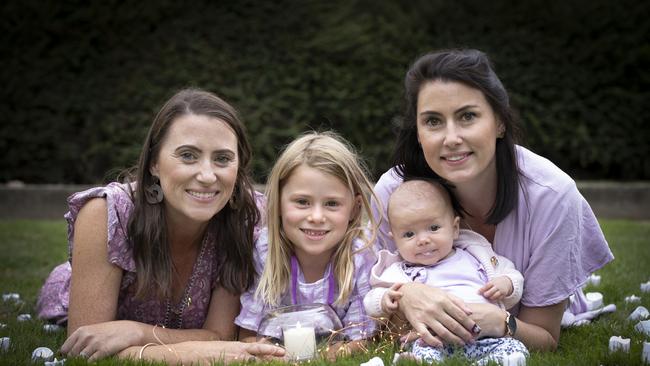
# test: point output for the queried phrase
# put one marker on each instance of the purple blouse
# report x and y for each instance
(53, 301)
(356, 324)
(552, 235)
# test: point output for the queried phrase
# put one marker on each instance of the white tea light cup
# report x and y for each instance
(632, 299)
(42, 354)
(56, 362)
(5, 342)
(375, 361)
(299, 342)
(52, 328)
(639, 313)
(594, 300)
(515, 359)
(643, 327)
(645, 287)
(24, 317)
(617, 343)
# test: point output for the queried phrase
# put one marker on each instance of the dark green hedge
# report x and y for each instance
(80, 81)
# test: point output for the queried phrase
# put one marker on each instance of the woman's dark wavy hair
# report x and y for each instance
(231, 228)
(472, 68)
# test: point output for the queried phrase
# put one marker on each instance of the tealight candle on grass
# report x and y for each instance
(42, 354)
(645, 287)
(639, 313)
(5, 342)
(632, 299)
(52, 328)
(594, 300)
(23, 317)
(617, 343)
(594, 279)
(643, 327)
(300, 342)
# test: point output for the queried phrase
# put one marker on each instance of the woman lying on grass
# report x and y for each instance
(459, 128)
(163, 260)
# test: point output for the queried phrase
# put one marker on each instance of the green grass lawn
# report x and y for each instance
(30, 249)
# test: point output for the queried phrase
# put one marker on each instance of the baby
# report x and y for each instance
(434, 251)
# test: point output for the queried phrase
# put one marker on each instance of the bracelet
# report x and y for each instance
(143, 347)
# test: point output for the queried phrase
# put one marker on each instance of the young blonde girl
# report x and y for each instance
(317, 246)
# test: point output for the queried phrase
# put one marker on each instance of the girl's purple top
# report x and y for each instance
(54, 297)
(552, 235)
(356, 324)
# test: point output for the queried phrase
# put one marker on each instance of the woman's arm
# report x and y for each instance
(204, 352)
(93, 331)
(247, 335)
(218, 326)
(95, 281)
(537, 327)
(224, 307)
(435, 315)
(94, 285)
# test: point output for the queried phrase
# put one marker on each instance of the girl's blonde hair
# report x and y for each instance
(330, 154)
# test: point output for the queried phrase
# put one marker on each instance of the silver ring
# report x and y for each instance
(82, 354)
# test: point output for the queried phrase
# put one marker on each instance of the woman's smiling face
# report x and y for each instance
(457, 130)
(197, 167)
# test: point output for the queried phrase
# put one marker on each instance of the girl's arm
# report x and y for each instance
(537, 327)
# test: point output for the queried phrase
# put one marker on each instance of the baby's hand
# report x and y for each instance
(497, 289)
(390, 300)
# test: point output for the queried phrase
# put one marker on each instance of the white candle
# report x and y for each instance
(617, 343)
(514, 359)
(594, 279)
(645, 356)
(300, 342)
(594, 300)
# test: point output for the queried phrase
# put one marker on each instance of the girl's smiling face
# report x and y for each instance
(316, 209)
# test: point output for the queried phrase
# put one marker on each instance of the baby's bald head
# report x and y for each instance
(419, 193)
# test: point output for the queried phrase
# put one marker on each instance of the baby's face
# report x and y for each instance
(423, 230)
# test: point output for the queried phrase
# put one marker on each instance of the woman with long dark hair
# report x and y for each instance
(163, 257)
(459, 128)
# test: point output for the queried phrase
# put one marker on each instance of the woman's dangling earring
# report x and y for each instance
(233, 200)
(501, 131)
(154, 193)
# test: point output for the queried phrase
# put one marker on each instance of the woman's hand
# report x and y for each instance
(97, 341)
(435, 315)
(538, 328)
(490, 318)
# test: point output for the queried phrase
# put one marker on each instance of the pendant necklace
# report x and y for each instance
(186, 299)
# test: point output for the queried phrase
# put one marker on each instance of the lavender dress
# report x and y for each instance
(53, 301)
(356, 323)
(552, 235)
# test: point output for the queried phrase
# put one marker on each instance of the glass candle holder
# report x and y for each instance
(304, 329)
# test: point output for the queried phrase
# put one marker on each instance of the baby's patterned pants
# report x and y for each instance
(482, 351)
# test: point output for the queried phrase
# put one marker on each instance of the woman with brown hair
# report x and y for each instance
(161, 259)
